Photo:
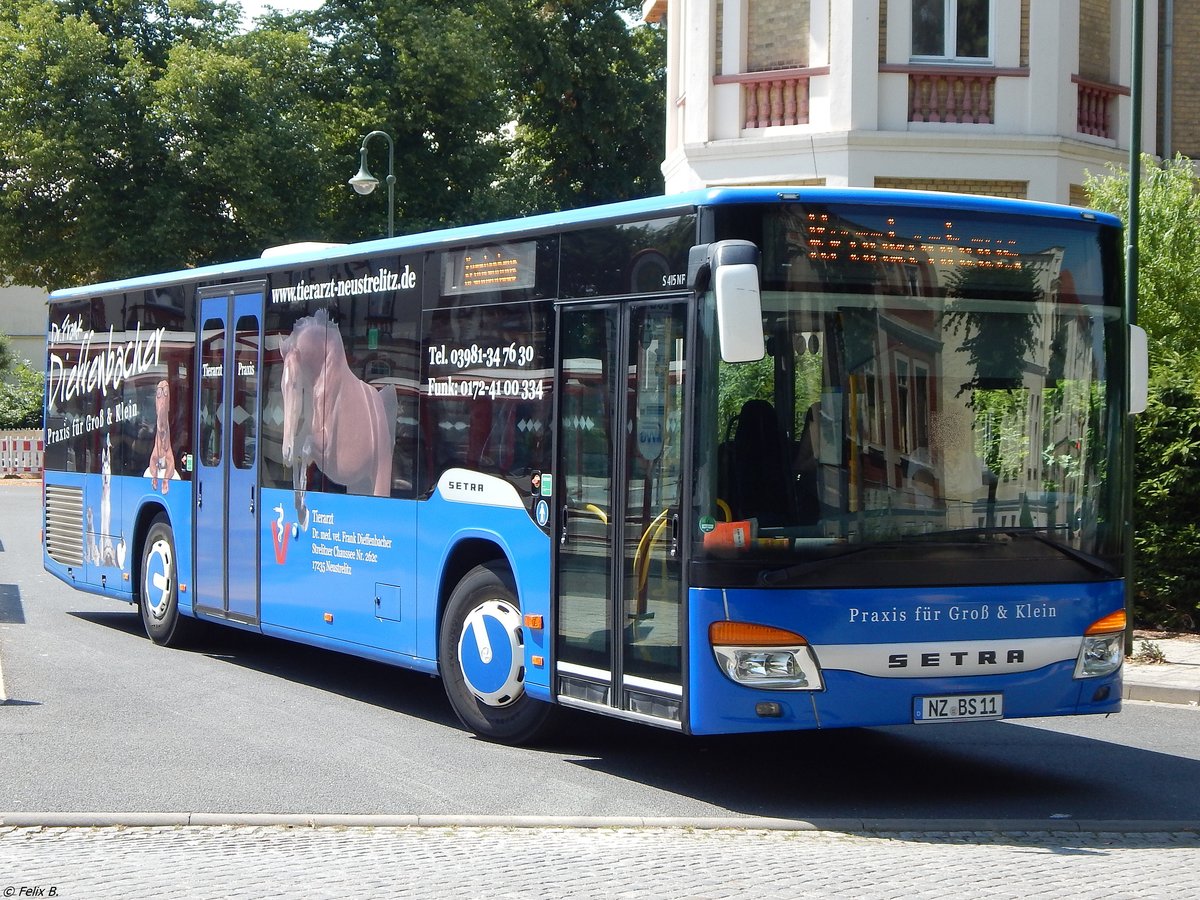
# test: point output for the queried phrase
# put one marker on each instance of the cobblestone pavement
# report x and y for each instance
(301, 862)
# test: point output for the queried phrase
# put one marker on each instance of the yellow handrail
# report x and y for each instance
(724, 507)
(641, 556)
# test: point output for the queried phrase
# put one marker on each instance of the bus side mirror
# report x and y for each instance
(739, 313)
(1139, 370)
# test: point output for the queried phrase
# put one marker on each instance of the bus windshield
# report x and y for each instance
(937, 386)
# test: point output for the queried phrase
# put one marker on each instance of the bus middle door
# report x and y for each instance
(227, 453)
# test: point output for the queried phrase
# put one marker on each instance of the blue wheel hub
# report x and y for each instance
(491, 653)
(157, 576)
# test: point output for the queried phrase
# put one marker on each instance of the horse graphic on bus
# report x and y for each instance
(331, 417)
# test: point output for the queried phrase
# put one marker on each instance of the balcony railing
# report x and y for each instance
(777, 97)
(961, 95)
(653, 11)
(1096, 101)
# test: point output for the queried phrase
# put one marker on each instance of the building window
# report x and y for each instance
(904, 412)
(952, 29)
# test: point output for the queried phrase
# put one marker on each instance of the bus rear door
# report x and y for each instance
(619, 495)
(227, 453)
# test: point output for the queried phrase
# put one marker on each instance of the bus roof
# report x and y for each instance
(614, 212)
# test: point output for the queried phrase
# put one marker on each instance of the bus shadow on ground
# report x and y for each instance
(128, 622)
(387, 687)
(988, 771)
(982, 772)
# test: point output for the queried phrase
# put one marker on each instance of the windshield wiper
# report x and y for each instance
(1095, 563)
(993, 531)
(1043, 534)
(963, 537)
(771, 577)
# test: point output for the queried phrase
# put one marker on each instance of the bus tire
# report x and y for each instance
(158, 587)
(482, 659)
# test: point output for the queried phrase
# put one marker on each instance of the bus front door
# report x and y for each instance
(619, 494)
(227, 454)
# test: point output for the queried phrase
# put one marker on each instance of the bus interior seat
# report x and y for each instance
(757, 479)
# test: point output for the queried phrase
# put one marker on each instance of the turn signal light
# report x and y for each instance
(533, 620)
(1110, 623)
(748, 634)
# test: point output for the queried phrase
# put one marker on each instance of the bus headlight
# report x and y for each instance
(1103, 648)
(764, 657)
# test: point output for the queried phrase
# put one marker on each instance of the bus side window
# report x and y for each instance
(485, 397)
(142, 431)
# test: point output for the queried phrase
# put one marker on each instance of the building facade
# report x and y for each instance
(1178, 105)
(23, 319)
(1016, 98)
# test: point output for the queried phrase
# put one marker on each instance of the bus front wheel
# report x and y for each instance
(158, 589)
(482, 659)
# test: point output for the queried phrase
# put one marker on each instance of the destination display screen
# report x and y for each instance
(928, 252)
(494, 267)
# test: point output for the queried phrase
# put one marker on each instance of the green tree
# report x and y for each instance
(586, 88)
(1168, 235)
(146, 135)
(1167, 466)
(249, 154)
(83, 167)
(8, 358)
(425, 73)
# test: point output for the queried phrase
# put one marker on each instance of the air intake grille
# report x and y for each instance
(64, 524)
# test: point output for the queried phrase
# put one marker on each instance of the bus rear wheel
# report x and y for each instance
(482, 659)
(158, 587)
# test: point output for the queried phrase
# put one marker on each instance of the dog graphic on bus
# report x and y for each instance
(100, 549)
(162, 457)
(93, 546)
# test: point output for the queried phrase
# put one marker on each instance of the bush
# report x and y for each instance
(21, 395)
(1167, 467)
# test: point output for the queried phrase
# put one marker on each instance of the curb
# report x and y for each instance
(748, 823)
(1158, 693)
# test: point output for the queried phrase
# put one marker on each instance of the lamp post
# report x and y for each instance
(364, 182)
(1132, 261)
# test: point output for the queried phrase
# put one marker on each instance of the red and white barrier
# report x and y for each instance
(21, 453)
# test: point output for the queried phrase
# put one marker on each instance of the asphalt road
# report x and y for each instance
(99, 719)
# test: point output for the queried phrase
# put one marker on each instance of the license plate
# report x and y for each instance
(957, 708)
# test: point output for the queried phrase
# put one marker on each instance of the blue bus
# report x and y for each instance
(735, 460)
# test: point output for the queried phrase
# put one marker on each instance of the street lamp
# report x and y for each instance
(364, 182)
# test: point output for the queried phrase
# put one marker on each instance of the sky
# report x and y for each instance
(253, 8)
